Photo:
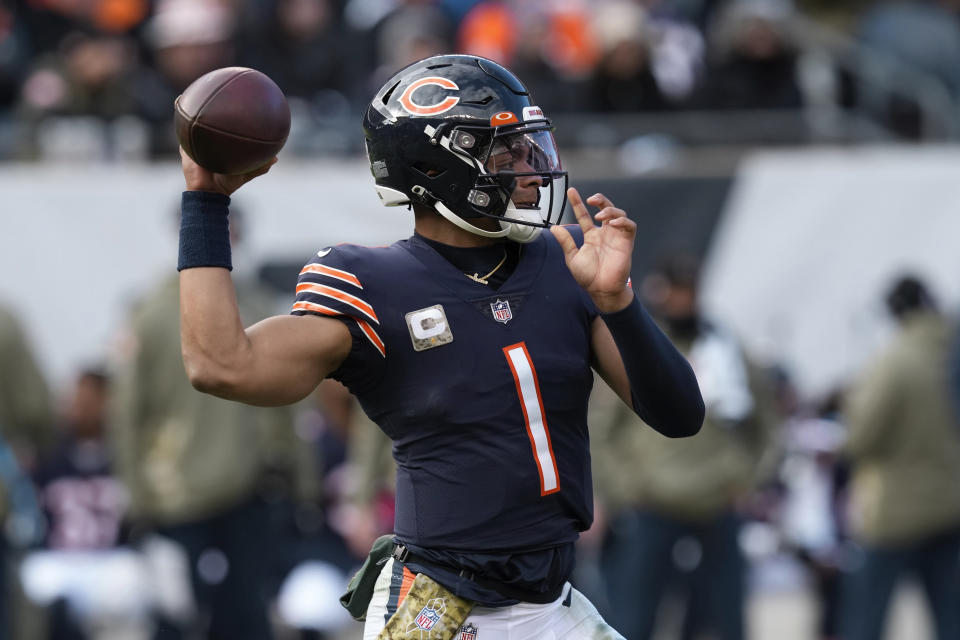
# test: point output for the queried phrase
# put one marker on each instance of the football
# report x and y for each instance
(232, 120)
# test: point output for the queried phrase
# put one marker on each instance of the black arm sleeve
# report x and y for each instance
(663, 388)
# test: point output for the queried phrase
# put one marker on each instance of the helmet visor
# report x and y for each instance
(525, 165)
(524, 153)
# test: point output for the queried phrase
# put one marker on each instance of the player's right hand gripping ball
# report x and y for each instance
(232, 120)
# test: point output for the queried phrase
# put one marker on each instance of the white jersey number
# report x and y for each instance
(525, 377)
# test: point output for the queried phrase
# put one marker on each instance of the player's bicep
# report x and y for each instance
(290, 356)
(607, 361)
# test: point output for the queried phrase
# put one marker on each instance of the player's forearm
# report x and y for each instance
(216, 349)
(663, 387)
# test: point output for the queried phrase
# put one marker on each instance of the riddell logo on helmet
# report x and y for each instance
(533, 113)
(406, 98)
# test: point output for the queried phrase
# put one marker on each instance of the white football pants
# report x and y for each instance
(570, 617)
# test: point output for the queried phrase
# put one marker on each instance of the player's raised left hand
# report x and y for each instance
(602, 265)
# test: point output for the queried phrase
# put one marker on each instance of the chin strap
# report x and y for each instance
(522, 233)
(443, 210)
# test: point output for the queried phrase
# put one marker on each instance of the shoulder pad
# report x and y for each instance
(331, 284)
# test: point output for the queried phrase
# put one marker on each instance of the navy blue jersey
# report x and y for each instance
(484, 393)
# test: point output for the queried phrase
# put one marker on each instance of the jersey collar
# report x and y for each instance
(520, 281)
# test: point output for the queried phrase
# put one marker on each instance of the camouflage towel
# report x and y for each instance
(429, 612)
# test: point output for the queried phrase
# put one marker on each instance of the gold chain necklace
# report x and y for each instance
(483, 279)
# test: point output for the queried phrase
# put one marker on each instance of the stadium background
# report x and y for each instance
(805, 181)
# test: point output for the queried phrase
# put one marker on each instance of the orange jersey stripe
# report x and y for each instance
(405, 584)
(346, 298)
(365, 327)
(303, 305)
(333, 273)
(372, 336)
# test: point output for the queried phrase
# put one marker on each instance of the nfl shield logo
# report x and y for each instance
(427, 618)
(468, 632)
(501, 311)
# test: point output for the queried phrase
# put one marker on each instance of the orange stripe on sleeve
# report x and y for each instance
(365, 327)
(346, 298)
(303, 305)
(321, 269)
(372, 336)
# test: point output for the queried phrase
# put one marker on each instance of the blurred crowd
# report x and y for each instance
(96, 79)
(136, 507)
(856, 491)
(132, 506)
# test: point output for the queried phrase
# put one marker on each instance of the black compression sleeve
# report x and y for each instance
(663, 387)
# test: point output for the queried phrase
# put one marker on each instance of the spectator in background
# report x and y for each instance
(955, 372)
(523, 36)
(699, 13)
(14, 55)
(25, 434)
(752, 58)
(78, 90)
(567, 46)
(89, 74)
(190, 38)
(674, 504)
(320, 63)
(651, 59)
(904, 448)
(922, 38)
(624, 79)
(546, 42)
(48, 22)
(317, 560)
(457, 9)
(490, 29)
(203, 472)
(304, 48)
(413, 30)
(186, 38)
(811, 513)
(370, 486)
(678, 49)
(922, 34)
(84, 503)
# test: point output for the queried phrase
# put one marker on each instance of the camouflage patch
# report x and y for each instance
(429, 328)
(429, 612)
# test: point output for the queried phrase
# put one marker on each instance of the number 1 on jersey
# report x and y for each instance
(525, 377)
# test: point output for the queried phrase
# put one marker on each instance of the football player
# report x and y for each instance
(469, 343)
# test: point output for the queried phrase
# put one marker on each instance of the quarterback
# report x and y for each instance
(472, 344)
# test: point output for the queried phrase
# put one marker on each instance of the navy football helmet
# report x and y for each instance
(460, 135)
